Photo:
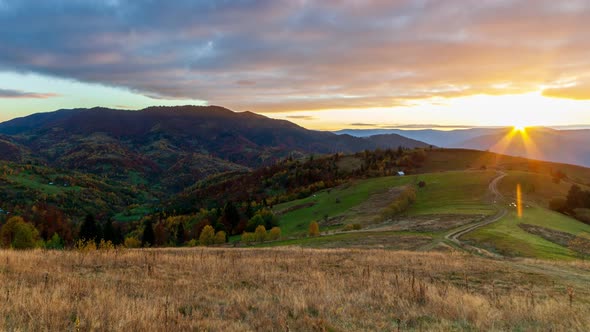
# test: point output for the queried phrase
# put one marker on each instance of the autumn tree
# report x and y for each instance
(275, 233)
(220, 237)
(314, 228)
(26, 236)
(260, 233)
(7, 231)
(207, 236)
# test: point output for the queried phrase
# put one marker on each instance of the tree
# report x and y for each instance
(180, 234)
(89, 229)
(108, 233)
(575, 198)
(260, 233)
(148, 239)
(220, 237)
(314, 228)
(26, 236)
(55, 242)
(207, 236)
(7, 231)
(231, 216)
(254, 222)
(275, 233)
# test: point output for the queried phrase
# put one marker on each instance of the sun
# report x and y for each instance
(519, 128)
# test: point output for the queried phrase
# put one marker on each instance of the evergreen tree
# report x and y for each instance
(109, 231)
(180, 234)
(89, 229)
(231, 216)
(148, 239)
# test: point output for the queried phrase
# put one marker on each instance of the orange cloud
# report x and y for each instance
(578, 92)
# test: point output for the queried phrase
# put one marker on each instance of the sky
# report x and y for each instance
(327, 64)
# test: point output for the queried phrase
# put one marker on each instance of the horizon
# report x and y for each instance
(349, 127)
(324, 66)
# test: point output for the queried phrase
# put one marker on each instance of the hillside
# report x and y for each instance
(169, 147)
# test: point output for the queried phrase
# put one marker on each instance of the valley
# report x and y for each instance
(404, 237)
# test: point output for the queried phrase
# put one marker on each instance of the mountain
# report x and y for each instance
(171, 147)
(564, 146)
(441, 138)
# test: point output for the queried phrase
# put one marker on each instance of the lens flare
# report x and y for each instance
(518, 201)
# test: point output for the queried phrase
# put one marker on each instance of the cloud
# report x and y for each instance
(16, 94)
(272, 56)
(579, 91)
(301, 117)
(358, 124)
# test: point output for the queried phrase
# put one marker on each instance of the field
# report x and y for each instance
(449, 201)
(445, 193)
(287, 289)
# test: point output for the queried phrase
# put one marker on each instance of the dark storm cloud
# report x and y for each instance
(300, 55)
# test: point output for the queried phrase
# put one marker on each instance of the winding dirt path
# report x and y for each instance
(454, 235)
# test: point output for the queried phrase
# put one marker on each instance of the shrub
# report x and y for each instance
(54, 243)
(132, 242)
(85, 246)
(192, 243)
(248, 237)
(351, 227)
(207, 236)
(106, 245)
(260, 233)
(314, 228)
(275, 233)
(421, 184)
(220, 237)
(400, 204)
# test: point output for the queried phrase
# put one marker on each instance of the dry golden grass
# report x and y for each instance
(286, 289)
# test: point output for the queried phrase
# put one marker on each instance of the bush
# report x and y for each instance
(54, 243)
(260, 233)
(400, 204)
(192, 243)
(220, 237)
(106, 245)
(207, 236)
(132, 242)
(274, 234)
(422, 184)
(248, 237)
(352, 227)
(86, 246)
(314, 228)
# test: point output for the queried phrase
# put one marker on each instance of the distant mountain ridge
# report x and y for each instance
(564, 146)
(172, 146)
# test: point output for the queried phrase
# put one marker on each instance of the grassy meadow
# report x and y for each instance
(287, 289)
(444, 193)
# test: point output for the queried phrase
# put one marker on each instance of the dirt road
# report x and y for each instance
(454, 235)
